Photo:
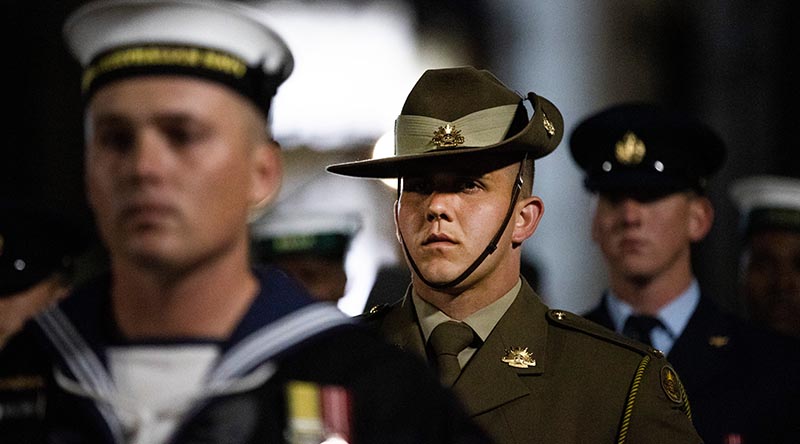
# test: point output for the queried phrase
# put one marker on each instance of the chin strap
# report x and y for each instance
(486, 252)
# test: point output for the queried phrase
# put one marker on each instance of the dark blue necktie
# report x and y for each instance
(639, 327)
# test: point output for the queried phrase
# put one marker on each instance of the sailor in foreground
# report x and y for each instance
(464, 158)
(183, 341)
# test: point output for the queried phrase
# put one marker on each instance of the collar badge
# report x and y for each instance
(447, 136)
(629, 150)
(718, 341)
(519, 357)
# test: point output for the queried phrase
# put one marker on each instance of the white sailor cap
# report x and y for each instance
(296, 231)
(767, 202)
(221, 41)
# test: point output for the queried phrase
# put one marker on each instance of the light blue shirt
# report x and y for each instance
(674, 316)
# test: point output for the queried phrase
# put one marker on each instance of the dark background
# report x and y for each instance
(41, 159)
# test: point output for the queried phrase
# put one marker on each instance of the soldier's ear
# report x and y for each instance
(529, 213)
(701, 218)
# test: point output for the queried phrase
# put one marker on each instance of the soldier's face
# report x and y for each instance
(173, 166)
(644, 239)
(447, 219)
(772, 279)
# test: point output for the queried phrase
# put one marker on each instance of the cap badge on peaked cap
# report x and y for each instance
(629, 150)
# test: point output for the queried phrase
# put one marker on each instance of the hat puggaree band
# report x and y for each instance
(420, 134)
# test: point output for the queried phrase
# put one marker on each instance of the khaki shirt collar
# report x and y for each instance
(482, 321)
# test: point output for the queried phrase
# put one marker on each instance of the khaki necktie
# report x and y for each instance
(447, 340)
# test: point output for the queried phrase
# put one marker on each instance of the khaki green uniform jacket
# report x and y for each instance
(588, 385)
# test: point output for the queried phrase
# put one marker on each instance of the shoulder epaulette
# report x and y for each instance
(670, 383)
(377, 310)
(373, 314)
(576, 322)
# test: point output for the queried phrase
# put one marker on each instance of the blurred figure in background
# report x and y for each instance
(37, 251)
(649, 167)
(770, 263)
(310, 247)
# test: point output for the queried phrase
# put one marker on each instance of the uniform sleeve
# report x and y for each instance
(657, 409)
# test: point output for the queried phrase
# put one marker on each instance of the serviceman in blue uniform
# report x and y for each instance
(464, 158)
(649, 166)
(183, 341)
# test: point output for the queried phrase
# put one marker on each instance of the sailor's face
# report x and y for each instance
(172, 168)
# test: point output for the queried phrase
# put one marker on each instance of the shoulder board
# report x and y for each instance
(374, 314)
(572, 321)
(377, 310)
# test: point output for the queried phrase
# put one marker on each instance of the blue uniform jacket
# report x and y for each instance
(285, 336)
(743, 382)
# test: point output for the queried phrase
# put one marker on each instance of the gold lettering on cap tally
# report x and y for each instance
(146, 56)
(447, 136)
(519, 357)
(548, 125)
(629, 150)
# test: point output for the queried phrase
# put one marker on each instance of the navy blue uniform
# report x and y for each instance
(743, 383)
(285, 336)
(23, 370)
